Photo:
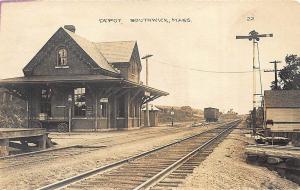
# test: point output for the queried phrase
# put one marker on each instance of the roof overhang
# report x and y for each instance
(21, 83)
(56, 79)
(149, 93)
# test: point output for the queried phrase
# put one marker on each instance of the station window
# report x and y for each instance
(79, 102)
(46, 94)
(62, 57)
(121, 107)
(103, 109)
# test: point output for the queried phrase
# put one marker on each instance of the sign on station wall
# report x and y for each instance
(104, 100)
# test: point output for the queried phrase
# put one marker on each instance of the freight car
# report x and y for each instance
(211, 114)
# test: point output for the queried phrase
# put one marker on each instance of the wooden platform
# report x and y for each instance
(24, 135)
(274, 150)
(283, 159)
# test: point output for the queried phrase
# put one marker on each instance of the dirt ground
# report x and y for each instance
(225, 168)
(120, 144)
(106, 137)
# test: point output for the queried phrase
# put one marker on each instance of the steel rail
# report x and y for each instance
(159, 176)
(50, 150)
(35, 152)
(99, 170)
(61, 148)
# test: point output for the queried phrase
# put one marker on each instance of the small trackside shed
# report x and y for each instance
(153, 115)
(92, 85)
(282, 111)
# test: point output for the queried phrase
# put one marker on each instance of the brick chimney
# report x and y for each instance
(70, 28)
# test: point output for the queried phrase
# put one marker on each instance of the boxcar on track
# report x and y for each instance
(211, 114)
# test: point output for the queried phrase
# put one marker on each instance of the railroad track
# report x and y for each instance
(45, 155)
(161, 168)
(92, 145)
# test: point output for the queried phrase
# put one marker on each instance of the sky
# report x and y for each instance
(182, 50)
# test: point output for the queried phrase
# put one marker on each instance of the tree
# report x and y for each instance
(289, 76)
(12, 112)
(187, 110)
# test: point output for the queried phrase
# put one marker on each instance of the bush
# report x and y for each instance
(13, 114)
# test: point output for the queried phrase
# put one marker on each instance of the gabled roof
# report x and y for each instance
(117, 52)
(87, 46)
(91, 49)
(282, 98)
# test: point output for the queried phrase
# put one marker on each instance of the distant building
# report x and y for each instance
(153, 114)
(282, 110)
(98, 83)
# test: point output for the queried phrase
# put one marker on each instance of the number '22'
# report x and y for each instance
(249, 18)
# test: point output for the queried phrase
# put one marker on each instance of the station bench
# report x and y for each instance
(38, 136)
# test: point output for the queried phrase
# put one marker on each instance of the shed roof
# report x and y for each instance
(282, 98)
(117, 52)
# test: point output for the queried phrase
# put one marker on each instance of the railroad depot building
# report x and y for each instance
(96, 86)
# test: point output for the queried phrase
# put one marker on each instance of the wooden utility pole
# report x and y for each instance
(275, 72)
(147, 122)
(147, 75)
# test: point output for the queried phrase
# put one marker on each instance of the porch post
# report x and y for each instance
(29, 106)
(114, 113)
(96, 110)
(140, 114)
(108, 113)
(70, 101)
(127, 102)
(133, 114)
(27, 110)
